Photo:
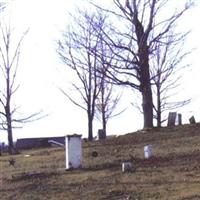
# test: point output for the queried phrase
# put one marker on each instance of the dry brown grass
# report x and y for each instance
(173, 173)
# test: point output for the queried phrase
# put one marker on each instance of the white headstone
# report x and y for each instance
(148, 151)
(73, 151)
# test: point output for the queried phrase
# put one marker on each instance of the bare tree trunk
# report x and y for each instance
(147, 107)
(90, 127)
(103, 104)
(8, 115)
(10, 136)
(104, 122)
(145, 87)
(143, 71)
(8, 110)
(158, 107)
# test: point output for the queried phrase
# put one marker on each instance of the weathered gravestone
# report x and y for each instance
(179, 119)
(192, 120)
(127, 167)
(101, 134)
(2, 147)
(171, 119)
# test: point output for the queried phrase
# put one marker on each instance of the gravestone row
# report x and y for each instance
(73, 153)
(176, 119)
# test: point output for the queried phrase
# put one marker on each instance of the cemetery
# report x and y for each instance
(148, 164)
(106, 57)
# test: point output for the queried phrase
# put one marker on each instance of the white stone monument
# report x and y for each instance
(73, 151)
(148, 151)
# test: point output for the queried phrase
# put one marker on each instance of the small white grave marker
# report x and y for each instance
(73, 151)
(148, 151)
(127, 167)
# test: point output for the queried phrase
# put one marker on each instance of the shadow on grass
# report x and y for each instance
(32, 175)
(104, 166)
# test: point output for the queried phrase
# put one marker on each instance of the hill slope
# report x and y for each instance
(173, 172)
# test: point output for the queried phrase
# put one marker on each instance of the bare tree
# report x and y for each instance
(76, 51)
(142, 26)
(166, 67)
(9, 62)
(107, 103)
(2, 6)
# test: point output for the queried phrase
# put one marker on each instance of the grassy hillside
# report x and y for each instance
(173, 173)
